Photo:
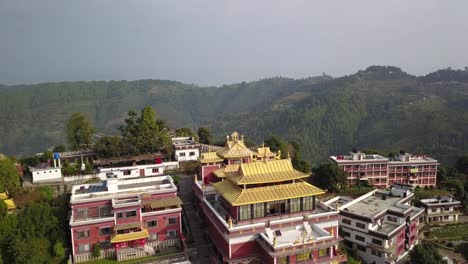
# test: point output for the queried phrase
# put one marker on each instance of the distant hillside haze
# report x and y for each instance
(380, 107)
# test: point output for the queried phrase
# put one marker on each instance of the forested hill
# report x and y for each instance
(380, 107)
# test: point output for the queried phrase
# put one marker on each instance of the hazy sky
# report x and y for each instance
(223, 41)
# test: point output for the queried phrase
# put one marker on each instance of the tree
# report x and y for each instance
(9, 177)
(37, 220)
(274, 143)
(59, 148)
(97, 250)
(425, 253)
(79, 131)
(111, 146)
(59, 251)
(145, 134)
(328, 176)
(186, 132)
(204, 136)
(462, 164)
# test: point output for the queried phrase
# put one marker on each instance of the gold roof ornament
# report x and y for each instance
(234, 148)
(278, 155)
(274, 241)
(230, 222)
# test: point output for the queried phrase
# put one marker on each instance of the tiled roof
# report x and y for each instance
(210, 157)
(264, 151)
(130, 236)
(234, 148)
(237, 196)
(227, 171)
(165, 202)
(266, 172)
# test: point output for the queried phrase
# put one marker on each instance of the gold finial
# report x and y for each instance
(274, 241)
(337, 206)
(230, 222)
(278, 156)
(235, 136)
(194, 178)
(242, 137)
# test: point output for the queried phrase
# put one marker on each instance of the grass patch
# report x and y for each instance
(451, 232)
(354, 190)
(421, 193)
(133, 261)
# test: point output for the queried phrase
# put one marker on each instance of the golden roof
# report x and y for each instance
(265, 151)
(228, 170)
(165, 202)
(234, 148)
(127, 226)
(130, 236)
(210, 157)
(10, 204)
(237, 196)
(3, 196)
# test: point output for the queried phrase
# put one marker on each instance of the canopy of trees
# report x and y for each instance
(79, 131)
(204, 136)
(328, 176)
(291, 149)
(9, 177)
(425, 253)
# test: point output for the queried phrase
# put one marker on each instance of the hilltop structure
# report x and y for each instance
(440, 210)
(185, 149)
(258, 208)
(383, 172)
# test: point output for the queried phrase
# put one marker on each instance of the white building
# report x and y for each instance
(381, 225)
(135, 171)
(441, 210)
(185, 149)
(43, 173)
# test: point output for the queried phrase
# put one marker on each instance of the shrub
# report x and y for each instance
(59, 251)
(97, 251)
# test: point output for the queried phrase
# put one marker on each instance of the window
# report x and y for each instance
(303, 256)
(323, 252)
(127, 172)
(104, 211)
(446, 217)
(172, 221)
(182, 154)
(392, 219)
(307, 203)
(361, 248)
(153, 223)
(192, 153)
(346, 234)
(434, 210)
(82, 234)
(119, 215)
(105, 244)
(130, 214)
(82, 213)
(360, 238)
(171, 233)
(360, 225)
(259, 210)
(346, 221)
(155, 170)
(83, 248)
(295, 205)
(377, 242)
(244, 212)
(104, 231)
(376, 253)
(153, 236)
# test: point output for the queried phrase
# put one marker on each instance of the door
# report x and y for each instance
(142, 172)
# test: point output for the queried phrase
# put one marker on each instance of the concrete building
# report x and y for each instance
(43, 172)
(382, 172)
(263, 211)
(441, 210)
(381, 225)
(128, 218)
(185, 149)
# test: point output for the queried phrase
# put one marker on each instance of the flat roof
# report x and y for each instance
(373, 205)
(117, 187)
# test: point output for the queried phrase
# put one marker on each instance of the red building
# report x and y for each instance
(382, 172)
(128, 218)
(259, 209)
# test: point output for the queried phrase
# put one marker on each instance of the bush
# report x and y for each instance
(97, 251)
(59, 251)
(449, 244)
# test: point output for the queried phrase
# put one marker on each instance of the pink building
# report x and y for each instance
(383, 172)
(128, 218)
(381, 226)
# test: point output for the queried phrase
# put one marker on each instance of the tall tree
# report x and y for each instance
(9, 177)
(462, 164)
(328, 176)
(79, 131)
(145, 134)
(186, 132)
(204, 135)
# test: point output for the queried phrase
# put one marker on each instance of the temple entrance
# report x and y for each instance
(277, 208)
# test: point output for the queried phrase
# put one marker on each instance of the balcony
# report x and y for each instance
(91, 219)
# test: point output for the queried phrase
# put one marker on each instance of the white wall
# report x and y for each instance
(49, 174)
(135, 171)
(187, 157)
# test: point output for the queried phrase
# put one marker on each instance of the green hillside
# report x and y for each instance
(380, 107)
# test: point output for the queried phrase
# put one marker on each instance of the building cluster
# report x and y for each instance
(256, 207)
(383, 172)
